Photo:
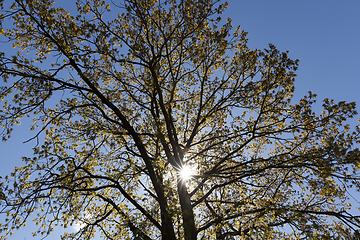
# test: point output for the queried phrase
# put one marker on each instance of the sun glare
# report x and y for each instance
(186, 172)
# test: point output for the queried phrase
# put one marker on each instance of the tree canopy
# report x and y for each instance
(124, 95)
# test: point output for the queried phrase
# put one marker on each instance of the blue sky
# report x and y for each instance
(323, 34)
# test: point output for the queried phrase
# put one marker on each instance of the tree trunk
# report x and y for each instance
(167, 230)
(190, 231)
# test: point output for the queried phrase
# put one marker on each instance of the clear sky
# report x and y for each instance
(323, 34)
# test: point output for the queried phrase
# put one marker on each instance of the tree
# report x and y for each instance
(124, 96)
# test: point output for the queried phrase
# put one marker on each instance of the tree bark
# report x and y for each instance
(190, 232)
(167, 230)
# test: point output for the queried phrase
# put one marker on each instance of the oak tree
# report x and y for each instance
(127, 95)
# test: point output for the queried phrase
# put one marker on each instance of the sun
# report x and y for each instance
(186, 172)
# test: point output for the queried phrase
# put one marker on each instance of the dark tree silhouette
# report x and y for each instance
(125, 95)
